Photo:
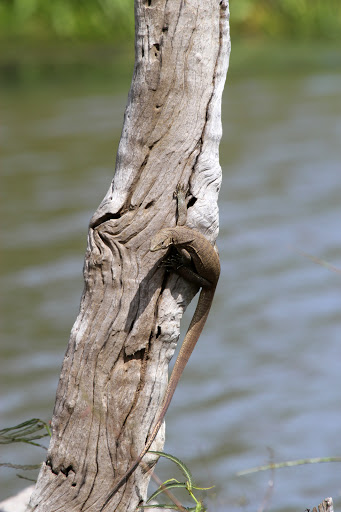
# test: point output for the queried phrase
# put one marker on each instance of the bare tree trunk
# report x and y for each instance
(326, 506)
(114, 372)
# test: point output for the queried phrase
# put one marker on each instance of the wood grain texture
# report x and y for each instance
(115, 369)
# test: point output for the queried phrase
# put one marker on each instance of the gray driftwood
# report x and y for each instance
(115, 369)
(325, 506)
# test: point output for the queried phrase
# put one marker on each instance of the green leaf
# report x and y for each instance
(25, 432)
(287, 464)
(179, 463)
(20, 466)
(166, 487)
(203, 488)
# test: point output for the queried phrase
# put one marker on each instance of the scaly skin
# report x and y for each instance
(204, 271)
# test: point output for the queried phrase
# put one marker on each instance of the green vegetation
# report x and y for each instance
(38, 20)
(68, 41)
(113, 20)
(27, 432)
(286, 19)
(173, 483)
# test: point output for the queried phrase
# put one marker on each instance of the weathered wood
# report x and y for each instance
(114, 372)
(326, 506)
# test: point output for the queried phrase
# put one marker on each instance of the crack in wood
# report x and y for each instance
(141, 355)
(64, 470)
(148, 205)
(191, 202)
(104, 218)
(138, 356)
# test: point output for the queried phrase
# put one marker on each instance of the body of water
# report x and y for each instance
(264, 381)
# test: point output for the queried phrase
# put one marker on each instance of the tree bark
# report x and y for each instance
(114, 373)
(326, 506)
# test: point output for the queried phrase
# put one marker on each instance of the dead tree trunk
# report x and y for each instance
(326, 506)
(114, 373)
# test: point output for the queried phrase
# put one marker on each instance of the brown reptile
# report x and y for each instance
(197, 262)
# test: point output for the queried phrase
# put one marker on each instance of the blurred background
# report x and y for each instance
(264, 381)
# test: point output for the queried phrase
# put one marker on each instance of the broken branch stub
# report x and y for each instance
(114, 372)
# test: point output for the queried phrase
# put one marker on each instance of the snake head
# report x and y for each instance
(161, 240)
